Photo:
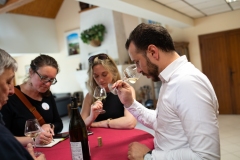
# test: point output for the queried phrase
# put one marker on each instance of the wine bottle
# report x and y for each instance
(78, 135)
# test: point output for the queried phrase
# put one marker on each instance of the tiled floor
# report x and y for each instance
(229, 126)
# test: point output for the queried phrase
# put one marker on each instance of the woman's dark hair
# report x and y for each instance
(145, 34)
(41, 61)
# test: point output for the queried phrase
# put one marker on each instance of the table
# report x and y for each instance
(115, 144)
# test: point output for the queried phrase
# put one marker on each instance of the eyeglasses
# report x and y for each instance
(101, 56)
(46, 79)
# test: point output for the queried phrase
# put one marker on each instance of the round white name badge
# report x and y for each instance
(45, 106)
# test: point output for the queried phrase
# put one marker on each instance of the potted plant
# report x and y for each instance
(94, 35)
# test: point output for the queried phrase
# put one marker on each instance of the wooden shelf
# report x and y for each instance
(87, 9)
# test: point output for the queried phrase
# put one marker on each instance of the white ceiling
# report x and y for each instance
(200, 8)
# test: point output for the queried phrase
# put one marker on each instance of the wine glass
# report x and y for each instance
(32, 129)
(130, 74)
(100, 94)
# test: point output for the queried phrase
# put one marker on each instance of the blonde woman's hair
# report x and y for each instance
(108, 64)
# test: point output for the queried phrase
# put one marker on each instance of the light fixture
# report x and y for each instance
(230, 1)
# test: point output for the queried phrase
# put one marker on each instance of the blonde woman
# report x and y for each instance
(102, 71)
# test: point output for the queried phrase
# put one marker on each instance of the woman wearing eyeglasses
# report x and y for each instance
(36, 89)
(102, 71)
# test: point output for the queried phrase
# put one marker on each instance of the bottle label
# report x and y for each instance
(76, 148)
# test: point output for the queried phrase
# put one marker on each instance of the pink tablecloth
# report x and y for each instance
(115, 144)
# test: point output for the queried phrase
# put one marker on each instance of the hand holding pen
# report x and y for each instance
(46, 135)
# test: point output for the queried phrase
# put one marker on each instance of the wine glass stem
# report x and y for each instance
(34, 142)
(124, 79)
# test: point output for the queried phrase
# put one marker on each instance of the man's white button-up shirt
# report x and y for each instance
(185, 120)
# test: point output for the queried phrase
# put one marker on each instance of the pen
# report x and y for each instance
(40, 128)
(52, 134)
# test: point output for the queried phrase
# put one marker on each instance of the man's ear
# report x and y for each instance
(153, 51)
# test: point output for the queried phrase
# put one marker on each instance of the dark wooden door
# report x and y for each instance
(233, 43)
(220, 54)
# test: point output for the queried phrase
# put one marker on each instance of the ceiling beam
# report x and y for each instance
(12, 4)
(146, 9)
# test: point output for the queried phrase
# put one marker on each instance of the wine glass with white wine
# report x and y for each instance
(100, 94)
(130, 74)
(32, 129)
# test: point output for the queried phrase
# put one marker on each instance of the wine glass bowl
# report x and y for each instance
(100, 94)
(130, 74)
(32, 129)
(113, 90)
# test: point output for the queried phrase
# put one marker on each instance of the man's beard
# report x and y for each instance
(152, 70)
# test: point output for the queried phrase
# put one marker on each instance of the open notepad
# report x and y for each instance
(55, 141)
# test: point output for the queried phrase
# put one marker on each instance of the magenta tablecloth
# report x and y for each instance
(115, 144)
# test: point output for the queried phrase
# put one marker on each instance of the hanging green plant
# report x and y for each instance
(94, 35)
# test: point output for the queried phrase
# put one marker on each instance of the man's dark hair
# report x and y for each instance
(145, 34)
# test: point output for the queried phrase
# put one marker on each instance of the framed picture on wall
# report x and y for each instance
(27, 67)
(148, 21)
(72, 38)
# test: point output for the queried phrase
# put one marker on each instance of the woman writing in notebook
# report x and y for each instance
(36, 90)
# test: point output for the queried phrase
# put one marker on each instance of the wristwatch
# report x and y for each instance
(148, 156)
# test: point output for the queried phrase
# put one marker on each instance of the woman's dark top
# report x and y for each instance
(10, 148)
(15, 113)
(113, 107)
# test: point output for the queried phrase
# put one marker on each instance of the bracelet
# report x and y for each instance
(108, 120)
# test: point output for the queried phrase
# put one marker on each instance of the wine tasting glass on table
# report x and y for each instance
(32, 129)
(100, 94)
(130, 74)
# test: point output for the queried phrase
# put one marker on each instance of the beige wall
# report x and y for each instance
(211, 24)
(27, 34)
(68, 18)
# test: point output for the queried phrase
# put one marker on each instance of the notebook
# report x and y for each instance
(54, 142)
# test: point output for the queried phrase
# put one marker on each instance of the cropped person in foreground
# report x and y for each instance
(36, 89)
(10, 148)
(102, 71)
(185, 120)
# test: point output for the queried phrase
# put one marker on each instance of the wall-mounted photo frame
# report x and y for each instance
(148, 21)
(72, 38)
(27, 67)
